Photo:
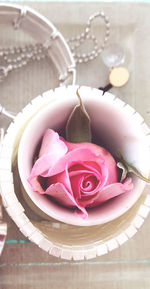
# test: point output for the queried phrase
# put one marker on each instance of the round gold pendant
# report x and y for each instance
(118, 76)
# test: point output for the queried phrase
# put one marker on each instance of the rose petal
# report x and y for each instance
(100, 172)
(89, 184)
(63, 178)
(49, 165)
(76, 185)
(71, 158)
(35, 185)
(112, 191)
(109, 160)
(52, 144)
(86, 167)
(62, 196)
(52, 149)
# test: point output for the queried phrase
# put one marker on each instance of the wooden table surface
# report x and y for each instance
(23, 264)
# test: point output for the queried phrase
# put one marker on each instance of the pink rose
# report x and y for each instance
(76, 175)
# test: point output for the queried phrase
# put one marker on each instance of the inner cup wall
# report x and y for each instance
(111, 128)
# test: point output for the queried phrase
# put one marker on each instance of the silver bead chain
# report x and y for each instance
(17, 57)
(76, 42)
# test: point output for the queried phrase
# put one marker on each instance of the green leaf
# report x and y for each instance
(124, 171)
(130, 168)
(78, 127)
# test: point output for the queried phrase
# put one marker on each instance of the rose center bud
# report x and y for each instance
(89, 184)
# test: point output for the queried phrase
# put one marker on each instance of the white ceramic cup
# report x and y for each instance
(114, 123)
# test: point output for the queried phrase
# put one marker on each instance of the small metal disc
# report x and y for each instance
(119, 76)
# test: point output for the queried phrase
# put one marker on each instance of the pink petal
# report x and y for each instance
(112, 191)
(71, 158)
(59, 178)
(100, 172)
(98, 150)
(62, 196)
(52, 144)
(76, 185)
(35, 185)
(89, 184)
(61, 193)
(52, 149)
(86, 167)
(63, 178)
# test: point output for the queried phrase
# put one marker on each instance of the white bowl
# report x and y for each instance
(114, 122)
